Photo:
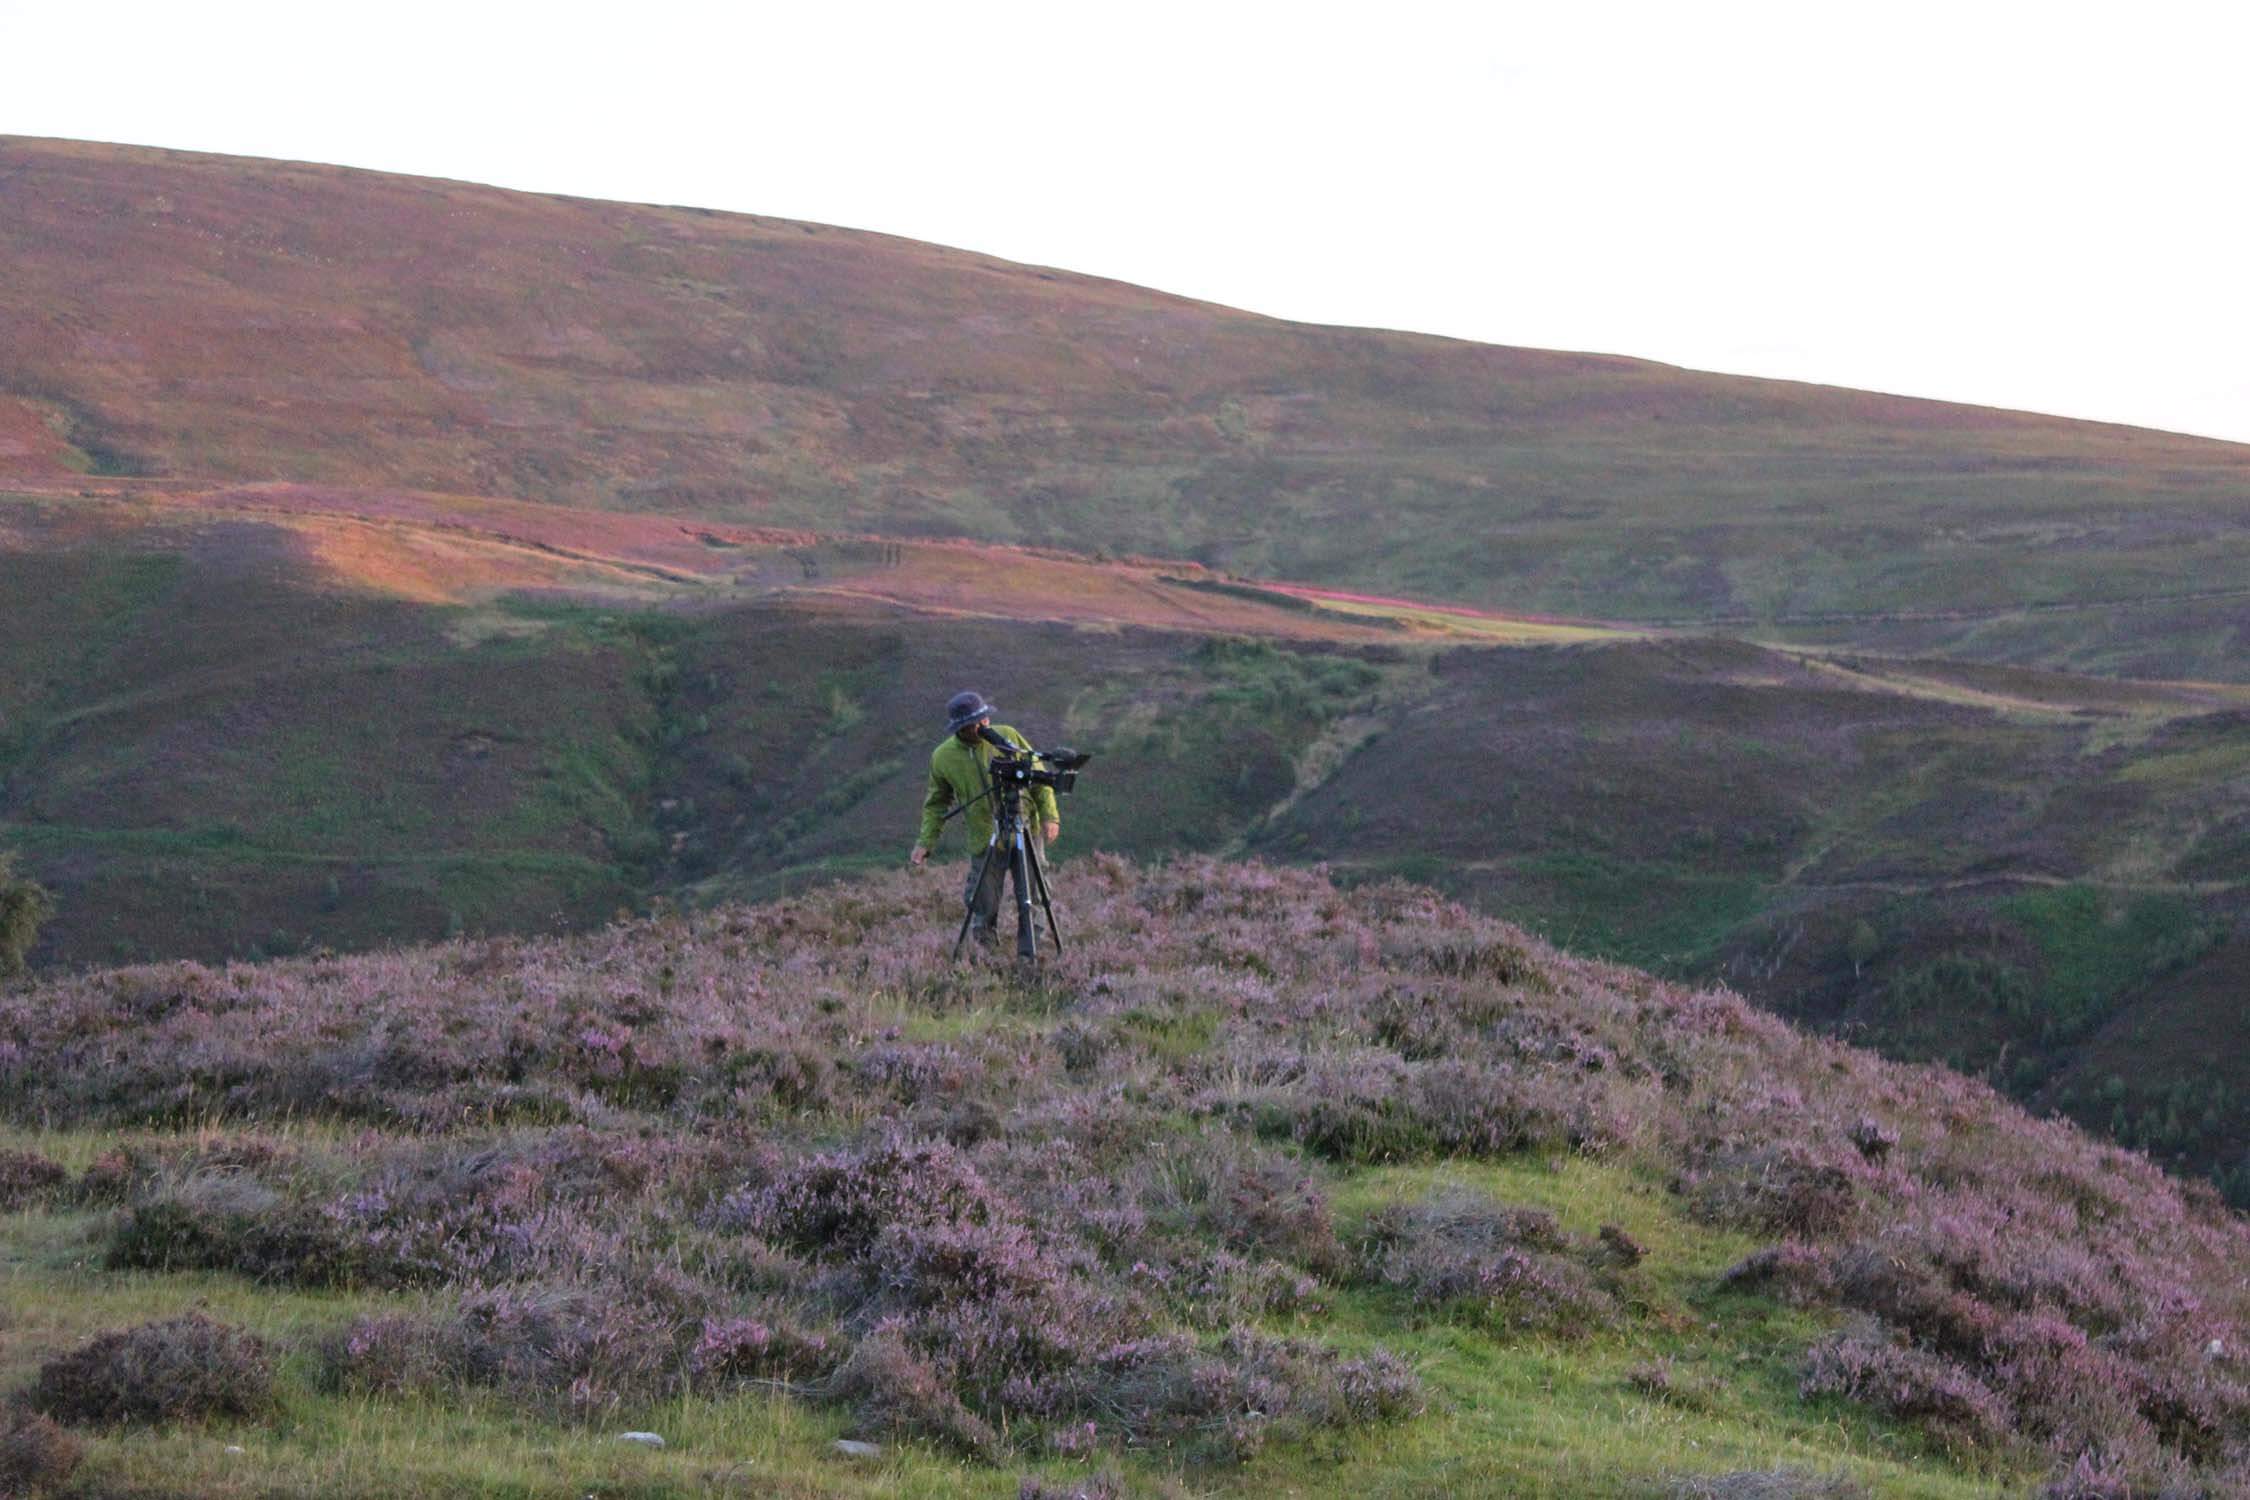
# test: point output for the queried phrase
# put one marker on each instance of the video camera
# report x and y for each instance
(1057, 768)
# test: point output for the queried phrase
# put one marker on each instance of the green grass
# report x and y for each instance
(2097, 948)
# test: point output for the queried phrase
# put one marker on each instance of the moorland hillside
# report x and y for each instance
(264, 723)
(1260, 1182)
(383, 558)
(213, 319)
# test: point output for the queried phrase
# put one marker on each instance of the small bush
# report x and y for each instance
(895, 1392)
(1099, 1487)
(587, 1351)
(735, 1349)
(35, 1454)
(234, 1223)
(1484, 1262)
(1774, 1189)
(1908, 1385)
(26, 1176)
(181, 1370)
(1792, 1271)
(384, 1355)
(1768, 1484)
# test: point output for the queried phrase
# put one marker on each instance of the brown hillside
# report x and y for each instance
(223, 320)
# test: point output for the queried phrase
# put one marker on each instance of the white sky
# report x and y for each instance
(2026, 205)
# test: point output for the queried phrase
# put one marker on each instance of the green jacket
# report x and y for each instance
(957, 775)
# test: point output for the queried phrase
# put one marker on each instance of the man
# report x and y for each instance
(958, 776)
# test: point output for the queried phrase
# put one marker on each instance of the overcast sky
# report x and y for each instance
(2026, 205)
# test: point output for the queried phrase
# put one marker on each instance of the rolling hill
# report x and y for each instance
(1261, 1187)
(223, 320)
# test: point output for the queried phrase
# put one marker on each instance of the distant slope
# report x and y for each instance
(215, 319)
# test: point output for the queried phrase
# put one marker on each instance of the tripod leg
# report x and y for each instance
(1019, 870)
(1046, 897)
(976, 888)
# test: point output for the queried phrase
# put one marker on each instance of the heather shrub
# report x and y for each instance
(895, 1391)
(1792, 1271)
(839, 1203)
(1097, 1487)
(1783, 1188)
(234, 1223)
(388, 1354)
(180, 1370)
(1223, 1404)
(1908, 1385)
(26, 1177)
(770, 1348)
(2103, 1473)
(36, 1456)
(1478, 1261)
(1251, 1201)
(1767, 1484)
(585, 1351)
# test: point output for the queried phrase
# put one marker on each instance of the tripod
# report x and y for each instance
(1012, 843)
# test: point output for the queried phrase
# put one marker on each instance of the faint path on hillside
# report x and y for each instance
(1944, 616)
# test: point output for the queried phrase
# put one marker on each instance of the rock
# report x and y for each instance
(234, 1447)
(851, 1448)
(645, 1439)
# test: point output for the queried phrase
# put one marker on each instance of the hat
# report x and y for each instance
(964, 709)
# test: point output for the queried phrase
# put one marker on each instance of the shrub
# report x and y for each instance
(1906, 1384)
(232, 1223)
(1773, 1188)
(180, 1370)
(26, 1176)
(1767, 1484)
(384, 1355)
(1098, 1487)
(35, 1454)
(735, 1349)
(1250, 1200)
(1221, 1405)
(894, 1391)
(1484, 1262)
(587, 1351)
(1792, 1271)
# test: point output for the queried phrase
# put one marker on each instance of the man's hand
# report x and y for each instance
(920, 854)
(1054, 831)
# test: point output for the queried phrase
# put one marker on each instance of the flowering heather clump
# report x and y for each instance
(583, 1350)
(183, 1370)
(1483, 1262)
(1909, 1384)
(36, 1456)
(894, 1390)
(798, 1144)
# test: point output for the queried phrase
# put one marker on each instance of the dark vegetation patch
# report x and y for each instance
(185, 1369)
(36, 1455)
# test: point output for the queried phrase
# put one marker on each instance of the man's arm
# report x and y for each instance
(934, 803)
